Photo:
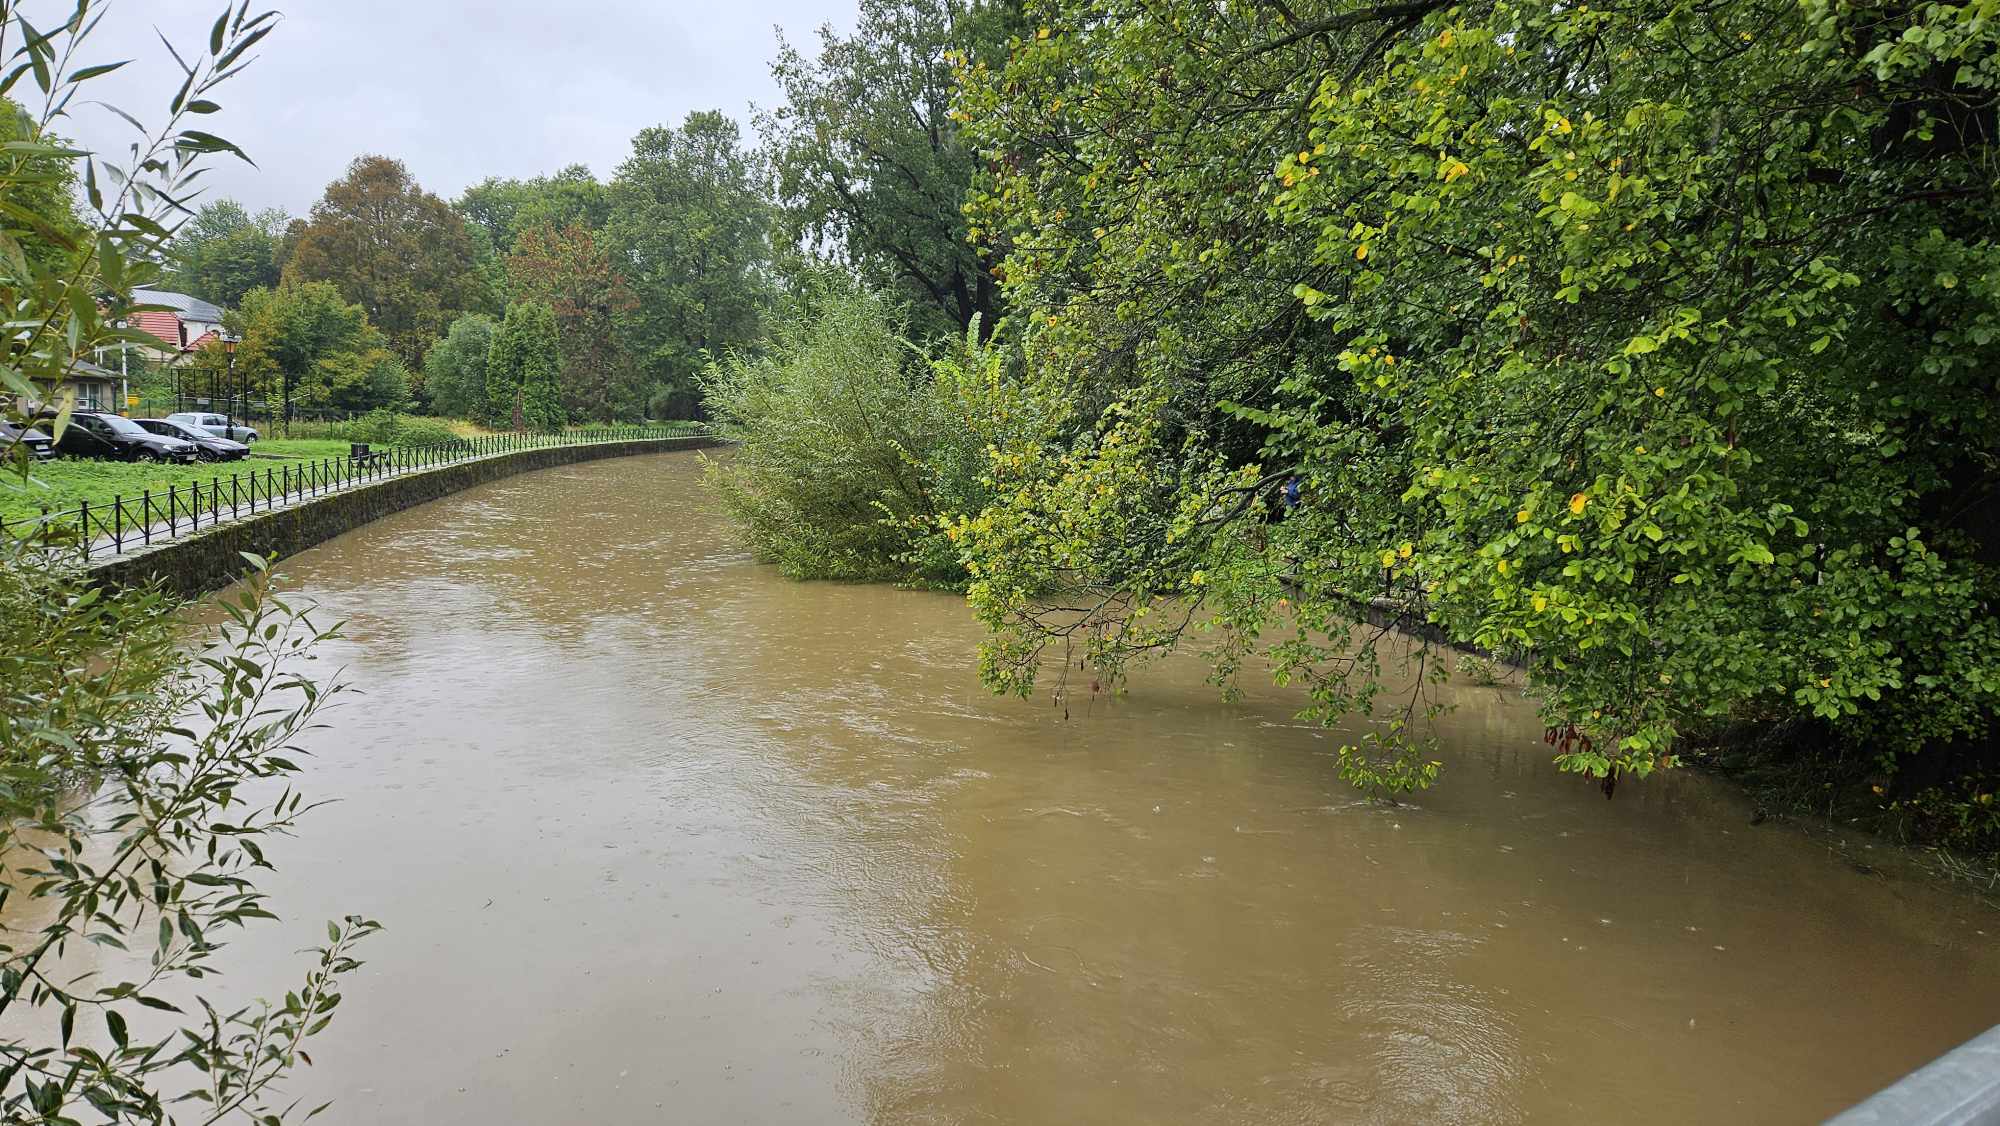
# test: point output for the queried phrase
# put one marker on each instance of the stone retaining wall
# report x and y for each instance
(209, 560)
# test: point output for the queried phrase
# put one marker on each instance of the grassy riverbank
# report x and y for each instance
(65, 483)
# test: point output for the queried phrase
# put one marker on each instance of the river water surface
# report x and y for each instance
(658, 835)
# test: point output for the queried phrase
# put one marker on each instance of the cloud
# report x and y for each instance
(457, 90)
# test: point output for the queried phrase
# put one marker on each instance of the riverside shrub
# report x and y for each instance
(856, 448)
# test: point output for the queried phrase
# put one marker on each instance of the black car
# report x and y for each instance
(94, 434)
(40, 446)
(207, 446)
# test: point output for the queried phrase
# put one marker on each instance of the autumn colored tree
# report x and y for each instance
(398, 251)
(568, 270)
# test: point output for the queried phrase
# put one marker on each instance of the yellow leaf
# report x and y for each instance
(1501, 566)
(1577, 503)
(1522, 516)
(1042, 34)
(1406, 550)
(1541, 603)
(1361, 252)
(1388, 559)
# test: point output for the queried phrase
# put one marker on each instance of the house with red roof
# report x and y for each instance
(183, 323)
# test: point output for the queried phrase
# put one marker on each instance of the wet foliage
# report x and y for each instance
(138, 777)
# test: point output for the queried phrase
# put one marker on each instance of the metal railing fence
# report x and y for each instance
(93, 530)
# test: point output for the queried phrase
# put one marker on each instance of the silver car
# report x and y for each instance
(217, 425)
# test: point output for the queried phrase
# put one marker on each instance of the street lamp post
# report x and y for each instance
(229, 381)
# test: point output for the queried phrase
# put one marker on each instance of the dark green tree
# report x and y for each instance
(455, 367)
(871, 167)
(689, 231)
(225, 252)
(523, 370)
(505, 209)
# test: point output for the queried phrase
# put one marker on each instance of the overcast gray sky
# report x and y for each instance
(457, 89)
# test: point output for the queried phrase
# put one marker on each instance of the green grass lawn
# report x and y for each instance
(294, 448)
(60, 485)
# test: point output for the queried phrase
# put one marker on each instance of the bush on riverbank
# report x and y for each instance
(392, 428)
(387, 428)
(856, 446)
(1675, 377)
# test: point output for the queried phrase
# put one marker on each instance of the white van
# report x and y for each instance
(217, 425)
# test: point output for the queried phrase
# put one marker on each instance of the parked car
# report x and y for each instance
(94, 434)
(216, 424)
(207, 446)
(40, 446)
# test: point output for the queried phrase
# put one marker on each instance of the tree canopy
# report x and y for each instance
(1658, 348)
(455, 367)
(303, 336)
(523, 369)
(225, 252)
(689, 229)
(396, 250)
(505, 209)
(871, 167)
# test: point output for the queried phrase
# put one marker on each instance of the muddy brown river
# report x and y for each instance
(659, 836)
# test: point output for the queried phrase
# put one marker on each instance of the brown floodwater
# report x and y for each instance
(658, 835)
